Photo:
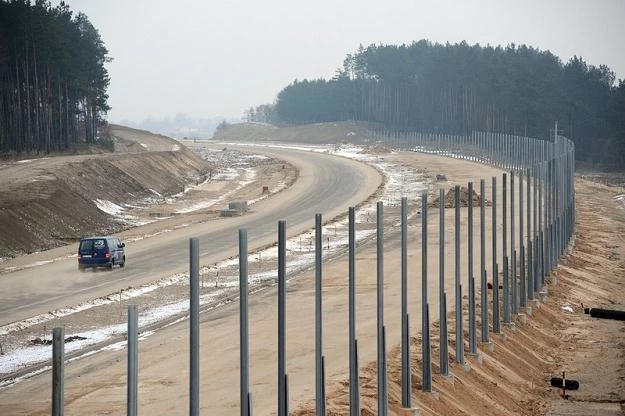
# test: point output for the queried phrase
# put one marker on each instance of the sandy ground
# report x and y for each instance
(511, 379)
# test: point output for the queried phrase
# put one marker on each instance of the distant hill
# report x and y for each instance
(319, 133)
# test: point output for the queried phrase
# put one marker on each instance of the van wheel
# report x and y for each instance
(112, 264)
(123, 263)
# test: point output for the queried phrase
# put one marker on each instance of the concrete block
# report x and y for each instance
(229, 213)
(240, 206)
(449, 378)
(477, 357)
(435, 395)
(490, 346)
(522, 318)
(414, 411)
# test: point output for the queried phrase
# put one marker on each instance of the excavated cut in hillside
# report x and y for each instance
(48, 202)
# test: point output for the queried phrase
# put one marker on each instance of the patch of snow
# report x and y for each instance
(248, 177)
(108, 207)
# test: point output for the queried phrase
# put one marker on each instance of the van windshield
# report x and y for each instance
(90, 245)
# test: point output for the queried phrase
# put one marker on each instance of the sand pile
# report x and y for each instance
(450, 199)
(377, 149)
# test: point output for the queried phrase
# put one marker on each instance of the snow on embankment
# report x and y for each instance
(57, 204)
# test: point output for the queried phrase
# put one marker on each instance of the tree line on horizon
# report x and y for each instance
(52, 77)
(460, 88)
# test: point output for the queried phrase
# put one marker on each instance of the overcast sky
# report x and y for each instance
(218, 58)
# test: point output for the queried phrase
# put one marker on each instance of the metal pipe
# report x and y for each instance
(58, 373)
(427, 367)
(496, 320)
(425, 329)
(537, 285)
(405, 335)
(459, 333)
(380, 308)
(522, 283)
(513, 279)
(483, 284)
(243, 324)
(133, 358)
(530, 264)
(282, 387)
(444, 356)
(471, 280)
(194, 324)
(504, 245)
(319, 380)
(354, 399)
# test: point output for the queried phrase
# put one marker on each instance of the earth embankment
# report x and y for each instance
(319, 133)
(50, 201)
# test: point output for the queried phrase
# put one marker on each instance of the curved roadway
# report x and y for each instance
(326, 184)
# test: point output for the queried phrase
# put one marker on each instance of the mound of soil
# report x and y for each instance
(320, 133)
(450, 199)
(48, 202)
(377, 149)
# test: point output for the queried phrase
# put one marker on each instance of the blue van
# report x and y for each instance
(101, 252)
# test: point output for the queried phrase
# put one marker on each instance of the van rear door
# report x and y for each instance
(93, 250)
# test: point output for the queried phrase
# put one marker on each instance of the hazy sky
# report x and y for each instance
(218, 58)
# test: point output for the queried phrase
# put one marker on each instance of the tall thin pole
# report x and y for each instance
(58, 373)
(496, 321)
(471, 280)
(354, 399)
(530, 268)
(444, 355)
(380, 311)
(282, 387)
(504, 245)
(535, 227)
(405, 335)
(513, 279)
(243, 324)
(483, 283)
(522, 275)
(133, 357)
(459, 333)
(194, 323)
(319, 390)
(425, 330)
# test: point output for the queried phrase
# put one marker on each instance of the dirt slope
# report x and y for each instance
(47, 202)
(320, 133)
